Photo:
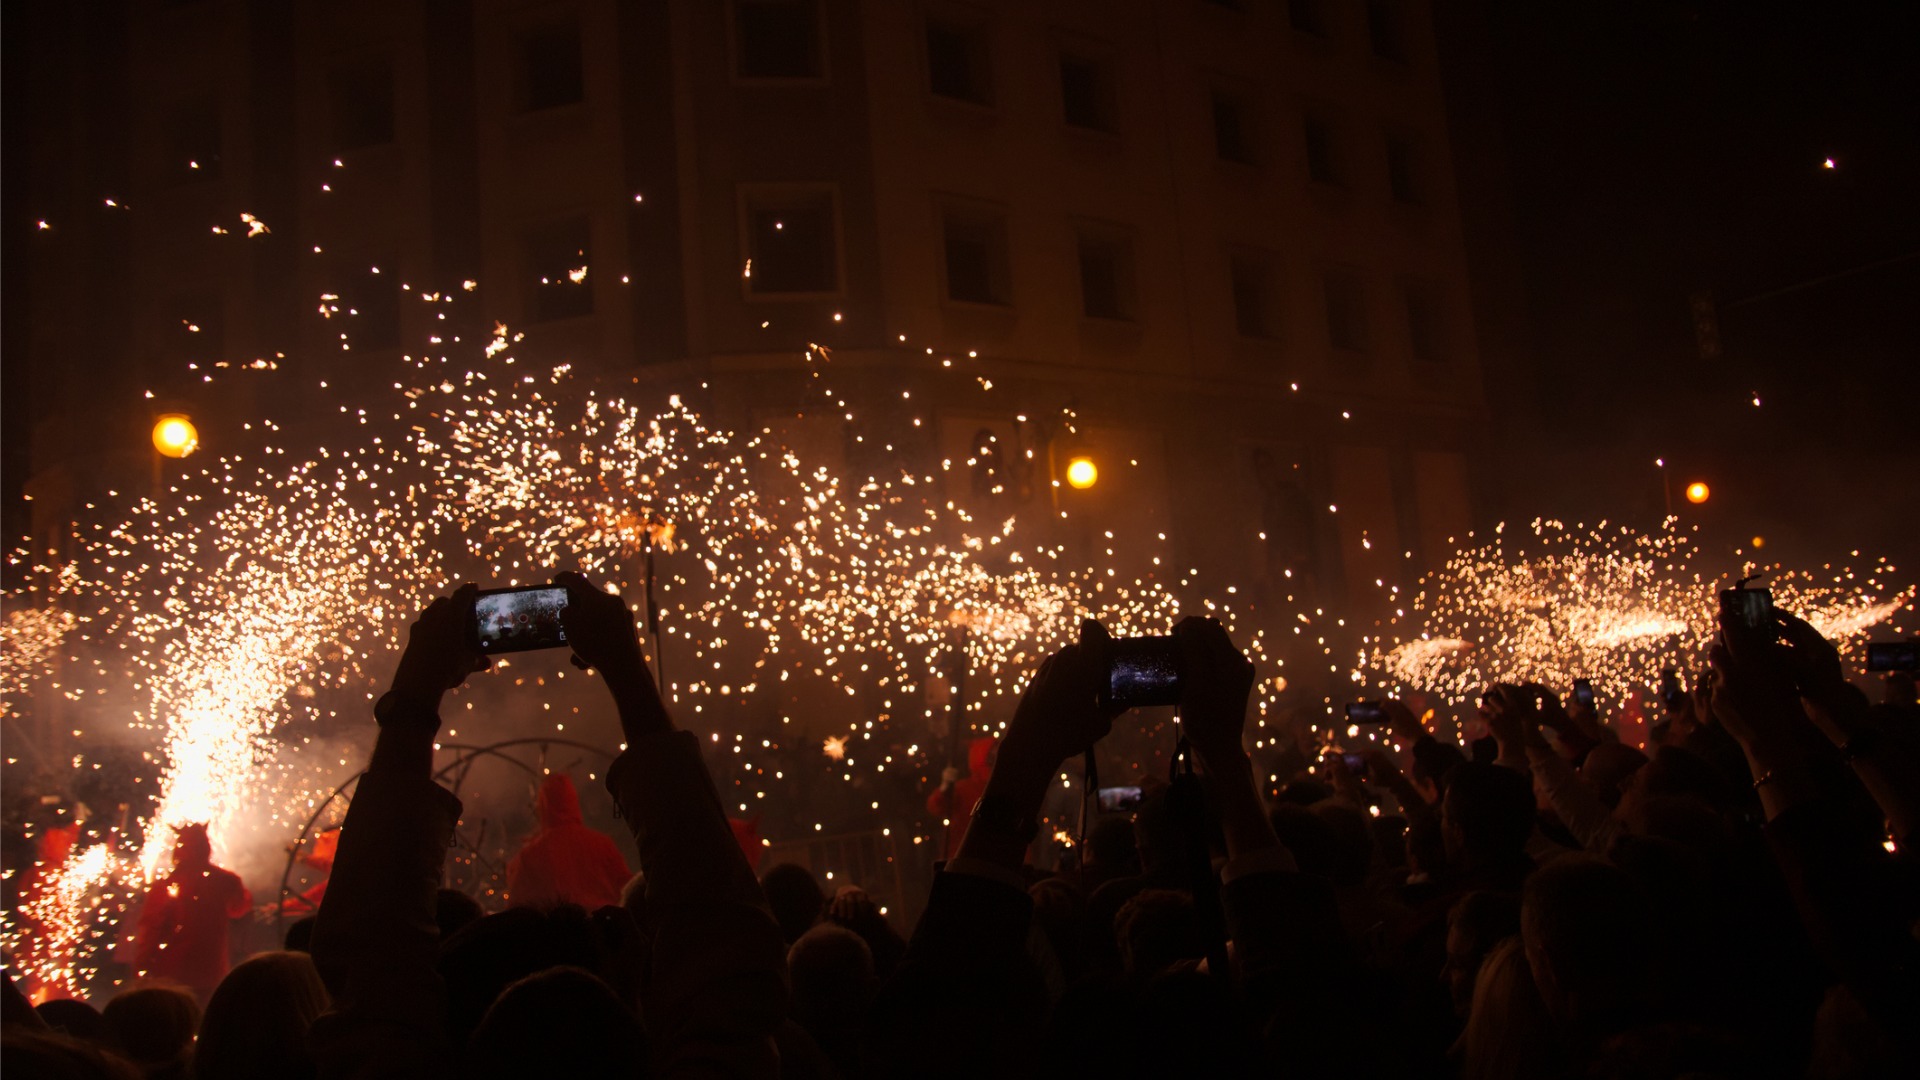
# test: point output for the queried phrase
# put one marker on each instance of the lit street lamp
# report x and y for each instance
(1081, 472)
(1697, 492)
(175, 436)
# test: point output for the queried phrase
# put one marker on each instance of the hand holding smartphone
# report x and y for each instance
(1142, 671)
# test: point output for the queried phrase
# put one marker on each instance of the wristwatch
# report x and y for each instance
(395, 705)
(996, 816)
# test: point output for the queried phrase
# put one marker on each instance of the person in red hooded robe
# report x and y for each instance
(565, 862)
(955, 798)
(182, 935)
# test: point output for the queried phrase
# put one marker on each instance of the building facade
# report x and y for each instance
(1213, 246)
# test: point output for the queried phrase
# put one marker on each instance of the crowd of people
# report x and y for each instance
(1737, 899)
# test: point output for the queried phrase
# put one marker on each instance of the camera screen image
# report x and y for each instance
(1750, 608)
(1144, 671)
(1893, 656)
(1113, 799)
(1366, 712)
(510, 620)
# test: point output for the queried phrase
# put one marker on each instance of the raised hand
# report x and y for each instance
(441, 649)
(600, 626)
(1060, 713)
(1217, 680)
(1402, 722)
(1811, 660)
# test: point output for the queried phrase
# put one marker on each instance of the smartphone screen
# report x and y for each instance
(1893, 656)
(1113, 799)
(1143, 671)
(1583, 692)
(1749, 609)
(512, 620)
(1366, 712)
(1670, 691)
(1356, 763)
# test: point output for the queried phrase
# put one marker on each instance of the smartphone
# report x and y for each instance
(1670, 691)
(520, 618)
(1749, 609)
(1114, 799)
(1366, 712)
(1143, 671)
(1583, 692)
(1893, 656)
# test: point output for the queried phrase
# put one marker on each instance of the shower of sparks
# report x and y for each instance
(1606, 603)
(264, 592)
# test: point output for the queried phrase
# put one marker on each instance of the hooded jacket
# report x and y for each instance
(565, 862)
(183, 924)
(956, 804)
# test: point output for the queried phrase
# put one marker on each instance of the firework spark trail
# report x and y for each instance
(1609, 604)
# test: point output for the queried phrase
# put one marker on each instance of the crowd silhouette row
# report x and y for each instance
(1736, 899)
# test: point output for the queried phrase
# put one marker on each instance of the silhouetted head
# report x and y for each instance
(1590, 937)
(299, 937)
(49, 1055)
(796, 898)
(1607, 768)
(76, 1018)
(454, 911)
(1487, 813)
(1111, 846)
(487, 956)
(256, 1022)
(154, 1025)
(560, 1022)
(1157, 928)
(1477, 922)
(833, 977)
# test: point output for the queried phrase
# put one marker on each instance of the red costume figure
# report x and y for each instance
(565, 862)
(183, 924)
(954, 801)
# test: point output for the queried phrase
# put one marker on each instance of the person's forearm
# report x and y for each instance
(1018, 784)
(1780, 773)
(1248, 830)
(404, 744)
(1886, 766)
(642, 712)
(1580, 810)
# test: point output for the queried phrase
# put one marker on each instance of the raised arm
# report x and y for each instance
(375, 938)
(718, 984)
(966, 1001)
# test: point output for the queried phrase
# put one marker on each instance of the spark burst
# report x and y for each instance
(1608, 603)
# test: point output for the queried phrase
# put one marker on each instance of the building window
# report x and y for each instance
(1106, 274)
(1255, 307)
(1307, 16)
(1323, 165)
(361, 94)
(1346, 310)
(777, 39)
(1427, 332)
(958, 62)
(1231, 139)
(793, 241)
(1402, 174)
(551, 74)
(1087, 93)
(558, 263)
(975, 241)
(193, 140)
(1387, 28)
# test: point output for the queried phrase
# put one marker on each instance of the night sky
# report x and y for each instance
(1653, 151)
